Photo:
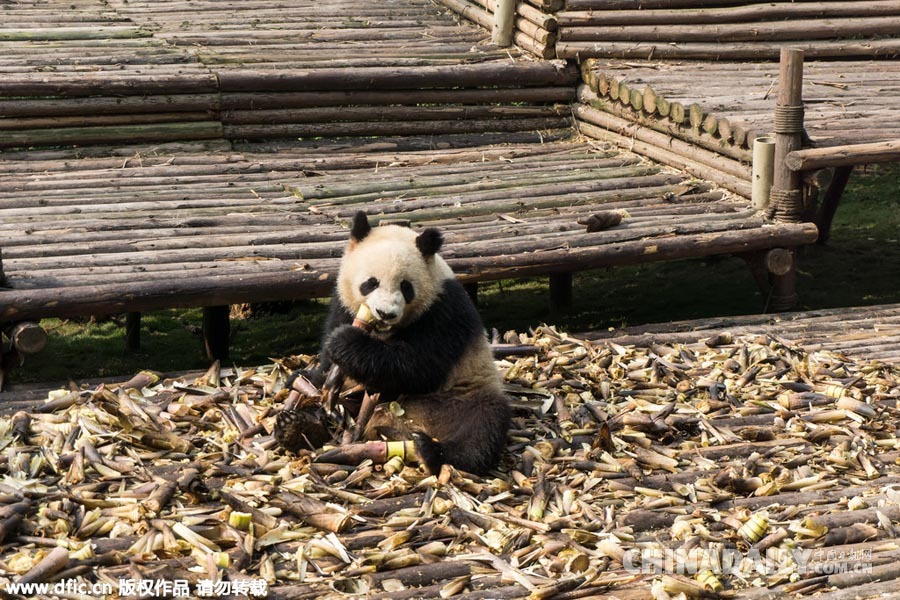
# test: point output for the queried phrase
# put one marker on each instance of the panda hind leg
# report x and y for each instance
(468, 432)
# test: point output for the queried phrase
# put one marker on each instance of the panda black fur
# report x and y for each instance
(434, 356)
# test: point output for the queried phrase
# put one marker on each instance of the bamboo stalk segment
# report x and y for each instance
(504, 22)
(763, 168)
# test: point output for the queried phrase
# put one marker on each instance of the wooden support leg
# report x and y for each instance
(830, 202)
(27, 337)
(782, 266)
(24, 338)
(216, 331)
(472, 290)
(560, 293)
(133, 332)
(775, 273)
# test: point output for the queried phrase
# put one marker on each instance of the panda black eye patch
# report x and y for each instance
(406, 288)
(368, 286)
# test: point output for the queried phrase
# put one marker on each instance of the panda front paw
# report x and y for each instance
(345, 343)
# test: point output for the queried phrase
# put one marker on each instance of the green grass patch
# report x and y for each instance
(859, 266)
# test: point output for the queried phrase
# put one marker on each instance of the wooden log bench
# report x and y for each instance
(179, 228)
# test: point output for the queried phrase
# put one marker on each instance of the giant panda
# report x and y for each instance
(429, 351)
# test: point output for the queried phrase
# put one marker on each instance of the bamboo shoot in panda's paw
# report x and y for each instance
(363, 320)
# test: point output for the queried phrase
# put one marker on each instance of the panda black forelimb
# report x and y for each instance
(389, 367)
(337, 316)
(418, 358)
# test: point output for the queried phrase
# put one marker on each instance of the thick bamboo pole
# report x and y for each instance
(470, 11)
(287, 100)
(145, 296)
(831, 200)
(504, 21)
(616, 5)
(763, 165)
(27, 337)
(770, 31)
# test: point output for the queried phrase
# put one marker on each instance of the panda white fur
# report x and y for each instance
(433, 357)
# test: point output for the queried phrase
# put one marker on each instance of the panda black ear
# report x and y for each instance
(360, 228)
(429, 242)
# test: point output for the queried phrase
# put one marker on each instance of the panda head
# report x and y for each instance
(392, 269)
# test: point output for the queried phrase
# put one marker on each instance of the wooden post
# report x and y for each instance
(786, 199)
(504, 21)
(133, 332)
(216, 331)
(560, 293)
(779, 261)
(784, 286)
(775, 274)
(27, 337)
(830, 202)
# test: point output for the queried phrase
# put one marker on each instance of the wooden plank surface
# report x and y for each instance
(159, 228)
(713, 31)
(734, 102)
(161, 71)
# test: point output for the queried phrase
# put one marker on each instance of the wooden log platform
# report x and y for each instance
(733, 30)
(748, 457)
(867, 332)
(534, 25)
(148, 228)
(728, 104)
(705, 73)
(108, 73)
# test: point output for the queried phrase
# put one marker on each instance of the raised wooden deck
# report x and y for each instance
(153, 228)
(788, 423)
(702, 73)
(125, 72)
(724, 106)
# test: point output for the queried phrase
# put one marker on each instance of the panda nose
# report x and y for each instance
(385, 316)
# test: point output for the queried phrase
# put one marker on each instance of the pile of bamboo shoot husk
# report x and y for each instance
(616, 453)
